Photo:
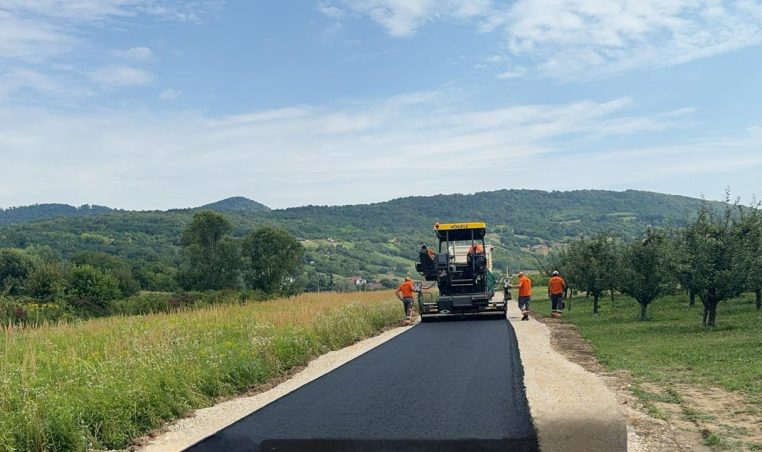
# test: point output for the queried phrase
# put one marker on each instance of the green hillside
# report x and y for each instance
(376, 240)
(236, 204)
(26, 214)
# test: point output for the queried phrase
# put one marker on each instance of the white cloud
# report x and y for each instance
(135, 54)
(362, 152)
(588, 38)
(516, 73)
(120, 76)
(169, 94)
(330, 11)
(43, 29)
(21, 78)
(30, 40)
(582, 38)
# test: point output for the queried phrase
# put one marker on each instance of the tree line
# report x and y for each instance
(268, 260)
(715, 257)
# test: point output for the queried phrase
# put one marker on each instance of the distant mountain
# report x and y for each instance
(36, 212)
(236, 204)
(27, 214)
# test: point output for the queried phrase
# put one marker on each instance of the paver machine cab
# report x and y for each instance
(462, 271)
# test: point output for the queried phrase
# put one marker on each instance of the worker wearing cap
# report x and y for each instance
(556, 288)
(405, 294)
(525, 294)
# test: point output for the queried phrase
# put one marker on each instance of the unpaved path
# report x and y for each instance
(573, 409)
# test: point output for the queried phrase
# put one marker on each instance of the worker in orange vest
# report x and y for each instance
(556, 288)
(405, 294)
(476, 248)
(525, 294)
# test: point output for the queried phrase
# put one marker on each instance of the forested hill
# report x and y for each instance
(26, 214)
(236, 204)
(377, 240)
(548, 216)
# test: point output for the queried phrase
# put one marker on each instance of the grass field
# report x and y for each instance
(673, 344)
(675, 362)
(102, 383)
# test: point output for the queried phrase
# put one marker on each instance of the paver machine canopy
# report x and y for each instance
(461, 268)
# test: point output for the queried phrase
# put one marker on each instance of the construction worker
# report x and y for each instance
(507, 289)
(525, 294)
(430, 253)
(556, 288)
(476, 248)
(405, 294)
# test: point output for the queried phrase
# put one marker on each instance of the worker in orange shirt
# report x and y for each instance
(476, 248)
(525, 294)
(556, 288)
(428, 252)
(405, 294)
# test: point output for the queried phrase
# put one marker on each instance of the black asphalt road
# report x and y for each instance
(444, 386)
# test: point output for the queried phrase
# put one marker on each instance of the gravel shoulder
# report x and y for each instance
(572, 409)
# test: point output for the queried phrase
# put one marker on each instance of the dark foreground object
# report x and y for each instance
(454, 386)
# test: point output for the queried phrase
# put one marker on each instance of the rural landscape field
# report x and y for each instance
(96, 357)
(380, 225)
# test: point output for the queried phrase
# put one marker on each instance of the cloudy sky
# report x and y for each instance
(154, 104)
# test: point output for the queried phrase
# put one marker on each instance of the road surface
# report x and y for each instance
(441, 386)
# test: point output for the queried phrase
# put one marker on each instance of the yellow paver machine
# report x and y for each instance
(462, 269)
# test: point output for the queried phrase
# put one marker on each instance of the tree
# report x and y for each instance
(115, 265)
(90, 290)
(712, 248)
(47, 281)
(680, 266)
(274, 261)
(591, 265)
(750, 224)
(15, 266)
(643, 270)
(211, 258)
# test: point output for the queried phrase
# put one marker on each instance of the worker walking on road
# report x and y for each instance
(525, 294)
(556, 288)
(405, 294)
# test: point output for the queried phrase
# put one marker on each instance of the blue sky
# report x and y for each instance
(153, 104)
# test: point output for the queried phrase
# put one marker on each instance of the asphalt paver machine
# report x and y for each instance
(462, 271)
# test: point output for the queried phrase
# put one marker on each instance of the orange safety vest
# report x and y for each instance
(476, 248)
(556, 285)
(407, 289)
(525, 286)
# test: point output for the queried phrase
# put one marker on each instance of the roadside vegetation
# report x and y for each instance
(636, 303)
(714, 258)
(102, 383)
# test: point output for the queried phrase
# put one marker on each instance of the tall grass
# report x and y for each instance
(102, 383)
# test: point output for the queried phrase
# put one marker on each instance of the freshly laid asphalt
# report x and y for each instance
(444, 386)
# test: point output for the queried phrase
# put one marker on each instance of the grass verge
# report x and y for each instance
(102, 383)
(705, 380)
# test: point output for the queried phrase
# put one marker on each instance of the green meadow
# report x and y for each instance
(100, 384)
